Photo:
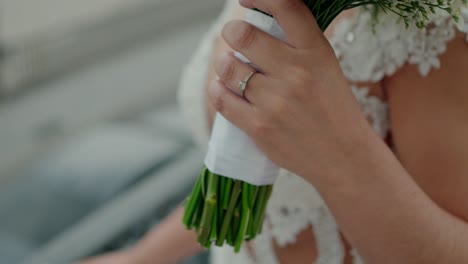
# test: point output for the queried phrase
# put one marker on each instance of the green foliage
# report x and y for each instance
(417, 12)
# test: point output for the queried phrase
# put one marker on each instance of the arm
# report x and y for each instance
(158, 245)
(415, 214)
(316, 129)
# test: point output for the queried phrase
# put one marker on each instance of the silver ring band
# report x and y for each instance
(243, 84)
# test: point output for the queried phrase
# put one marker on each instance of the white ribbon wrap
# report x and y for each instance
(231, 153)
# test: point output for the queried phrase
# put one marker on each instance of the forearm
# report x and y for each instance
(169, 242)
(385, 215)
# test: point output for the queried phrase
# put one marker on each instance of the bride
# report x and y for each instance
(374, 152)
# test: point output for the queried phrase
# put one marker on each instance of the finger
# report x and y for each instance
(295, 19)
(256, 45)
(232, 71)
(232, 107)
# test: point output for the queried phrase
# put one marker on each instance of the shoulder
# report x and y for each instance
(371, 52)
(429, 127)
(424, 73)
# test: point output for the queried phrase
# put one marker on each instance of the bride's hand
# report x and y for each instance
(299, 110)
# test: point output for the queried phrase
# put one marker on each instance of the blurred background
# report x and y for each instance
(93, 149)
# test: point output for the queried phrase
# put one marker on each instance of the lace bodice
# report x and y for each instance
(365, 55)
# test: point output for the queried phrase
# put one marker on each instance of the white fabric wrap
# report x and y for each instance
(231, 153)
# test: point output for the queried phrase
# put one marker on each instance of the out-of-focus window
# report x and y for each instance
(41, 37)
(88, 118)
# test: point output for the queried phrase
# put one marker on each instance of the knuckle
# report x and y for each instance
(287, 4)
(246, 35)
(280, 106)
(218, 103)
(228, 68)
(300, 93)
(297, 85)
(301, 75)
(216, 97)
(260, 129)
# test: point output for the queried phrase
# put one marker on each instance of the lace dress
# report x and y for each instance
(366, 55)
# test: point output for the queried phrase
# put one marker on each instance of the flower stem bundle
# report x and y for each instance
(224, 209)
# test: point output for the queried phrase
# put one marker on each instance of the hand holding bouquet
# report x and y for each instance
(228, 201)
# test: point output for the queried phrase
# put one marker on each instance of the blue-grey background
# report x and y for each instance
(93, 148)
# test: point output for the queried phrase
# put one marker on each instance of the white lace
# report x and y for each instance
(365, 56)
(382, 53)
(375, 110)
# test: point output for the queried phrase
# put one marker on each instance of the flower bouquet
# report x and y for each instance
(229, 199)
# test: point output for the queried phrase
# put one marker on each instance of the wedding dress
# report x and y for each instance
(366, 54)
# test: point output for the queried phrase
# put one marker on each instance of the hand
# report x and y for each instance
(299, 110)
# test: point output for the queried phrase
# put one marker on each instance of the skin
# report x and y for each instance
(157, 246)
(406, 207)
(379, 206)
(305, 248)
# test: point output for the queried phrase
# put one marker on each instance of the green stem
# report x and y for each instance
(236, 222)
(222, 187)
(227, 193)
(236, 190)
(245, 216)
(192, 203)
(204, 175)
(262, 217)
(208, 210)
(260, 208)
(214, 226)
(252, 233)
(229, 236)
(197, 215)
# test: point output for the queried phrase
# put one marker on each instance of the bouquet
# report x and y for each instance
(229, 199)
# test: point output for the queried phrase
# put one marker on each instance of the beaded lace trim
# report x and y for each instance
(383, 53)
